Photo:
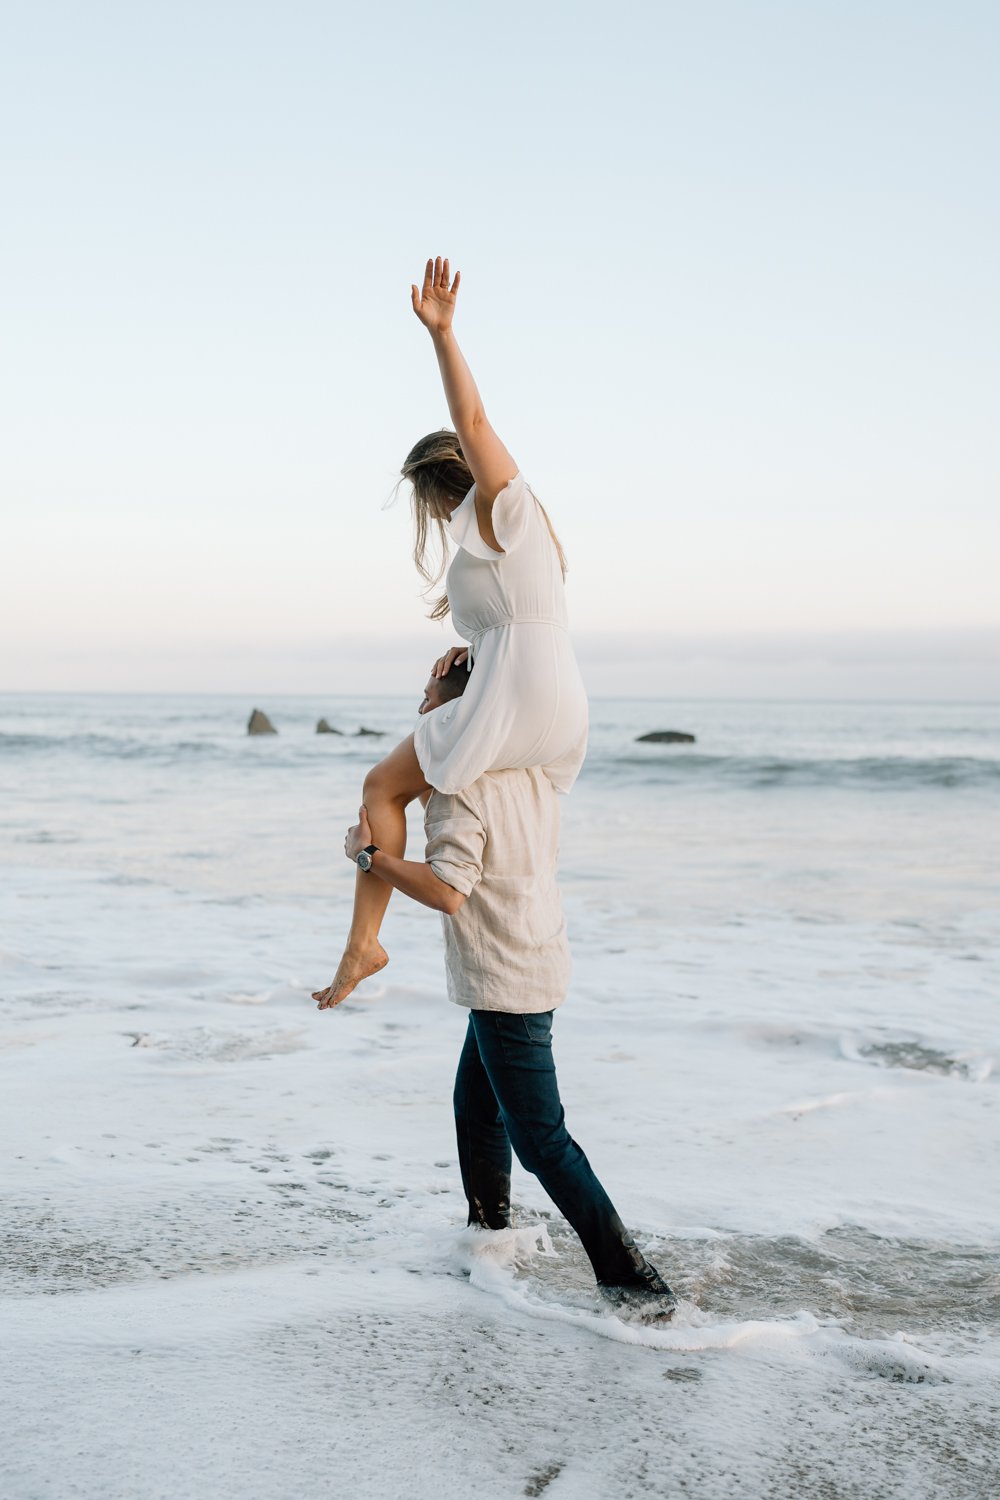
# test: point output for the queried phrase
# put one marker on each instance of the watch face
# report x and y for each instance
(364, 860)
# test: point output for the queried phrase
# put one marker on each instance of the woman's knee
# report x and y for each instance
(382, 787)
(398, 778)
(376, 784)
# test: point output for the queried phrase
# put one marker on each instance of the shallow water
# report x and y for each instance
(232, 1242)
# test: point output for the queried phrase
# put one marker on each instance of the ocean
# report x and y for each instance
(233, 1253)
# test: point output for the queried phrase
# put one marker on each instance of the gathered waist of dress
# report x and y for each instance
(477, 635)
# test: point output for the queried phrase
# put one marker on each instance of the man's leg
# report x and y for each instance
(516, 1053)
(483, 1144)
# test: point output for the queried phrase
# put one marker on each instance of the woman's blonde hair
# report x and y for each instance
(441, 478)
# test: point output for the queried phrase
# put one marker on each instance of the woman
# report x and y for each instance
(524, 704)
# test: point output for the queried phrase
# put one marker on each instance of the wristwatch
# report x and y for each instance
(364, 860)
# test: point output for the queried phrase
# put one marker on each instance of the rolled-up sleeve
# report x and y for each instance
(456, 838)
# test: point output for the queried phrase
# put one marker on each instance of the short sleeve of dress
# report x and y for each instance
(512, 509)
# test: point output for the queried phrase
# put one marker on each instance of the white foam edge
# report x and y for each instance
(491, 1257)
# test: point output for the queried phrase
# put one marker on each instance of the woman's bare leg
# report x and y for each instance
(389, 788)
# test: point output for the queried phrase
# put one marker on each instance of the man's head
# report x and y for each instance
(441, 690)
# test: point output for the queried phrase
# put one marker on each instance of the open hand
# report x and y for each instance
(434, 304)
(453, 657)
(358, 837)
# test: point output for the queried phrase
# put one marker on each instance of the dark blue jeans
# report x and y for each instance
(506, 1095)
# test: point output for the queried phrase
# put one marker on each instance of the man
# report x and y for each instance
(490, 869)
(440, 690)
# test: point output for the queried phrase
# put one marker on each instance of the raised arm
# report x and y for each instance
(492, 466)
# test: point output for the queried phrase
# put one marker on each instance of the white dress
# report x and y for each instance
(525, 703)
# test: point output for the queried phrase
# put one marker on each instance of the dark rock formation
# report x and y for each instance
(665, 737)
(324, 728)
(260, 724)
(376, 734)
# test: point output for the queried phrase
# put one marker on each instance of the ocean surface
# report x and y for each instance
(232, 1245)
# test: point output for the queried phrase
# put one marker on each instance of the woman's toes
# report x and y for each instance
(352, 969)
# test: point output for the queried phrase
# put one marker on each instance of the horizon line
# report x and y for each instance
(592, 697)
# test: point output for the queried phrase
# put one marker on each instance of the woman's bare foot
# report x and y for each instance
(356, 964)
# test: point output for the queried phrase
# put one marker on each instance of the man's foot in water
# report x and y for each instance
(652, 1303)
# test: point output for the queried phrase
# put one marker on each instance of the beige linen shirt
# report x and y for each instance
(498, 843)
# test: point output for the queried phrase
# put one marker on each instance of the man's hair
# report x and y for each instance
(454, 682)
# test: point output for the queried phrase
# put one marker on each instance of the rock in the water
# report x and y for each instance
(376, 734)
(665, 737)
(324, 728)
(260, 723)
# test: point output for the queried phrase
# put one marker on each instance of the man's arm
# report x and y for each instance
(418, 881)
(413, 878)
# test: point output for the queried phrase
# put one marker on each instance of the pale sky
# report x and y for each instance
(728, 289)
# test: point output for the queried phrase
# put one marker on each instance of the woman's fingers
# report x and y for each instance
(444, 663)
(437, 278)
